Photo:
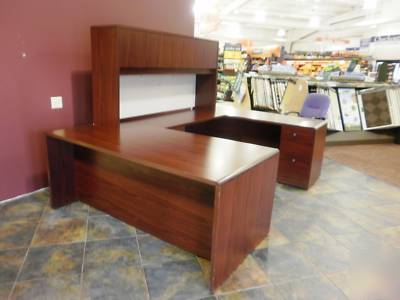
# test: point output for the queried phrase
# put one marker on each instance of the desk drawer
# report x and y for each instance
(294, 169)
(299, 152)
(297, 135)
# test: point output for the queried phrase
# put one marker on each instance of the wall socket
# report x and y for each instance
(56, 102)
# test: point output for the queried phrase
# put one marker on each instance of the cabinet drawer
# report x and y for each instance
(298, 152)
(297, 135)
(294, 170)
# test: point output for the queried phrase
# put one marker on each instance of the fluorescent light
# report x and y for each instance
(260, 17)
(203, 7)
(370, 22)
(370, 4)
(234, 30)
(281, 33)
(315, 21)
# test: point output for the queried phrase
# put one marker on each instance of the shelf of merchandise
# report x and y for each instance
(336, 136)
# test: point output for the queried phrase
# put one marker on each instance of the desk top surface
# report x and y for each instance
(150, 141)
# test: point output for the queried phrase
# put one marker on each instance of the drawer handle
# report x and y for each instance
(294, 134)
(293, 160)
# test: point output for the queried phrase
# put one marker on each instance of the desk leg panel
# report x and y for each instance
(318, 154)
(242, 217)
(60, 157)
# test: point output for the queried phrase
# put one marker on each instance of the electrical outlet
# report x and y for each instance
(56, 102)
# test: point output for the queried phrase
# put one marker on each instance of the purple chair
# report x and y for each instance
(315, 106)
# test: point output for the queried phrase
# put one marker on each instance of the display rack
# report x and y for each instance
(350, 107)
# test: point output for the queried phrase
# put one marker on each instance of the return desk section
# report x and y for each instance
(207, 195)
(301, 141)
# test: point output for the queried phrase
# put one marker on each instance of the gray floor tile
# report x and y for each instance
(10, 263)
(47, 262)
(316, 288)
(105, 227)
(5, 289)
(155, 251)
(181, 280)
(262, 293)
(111, 253)
(283, 263)
(54, 288)
(116, 282)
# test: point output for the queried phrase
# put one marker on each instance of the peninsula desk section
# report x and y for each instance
(210, 196)
(301, 141)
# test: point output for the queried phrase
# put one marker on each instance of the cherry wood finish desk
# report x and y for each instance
(207, 195)
(211, 196)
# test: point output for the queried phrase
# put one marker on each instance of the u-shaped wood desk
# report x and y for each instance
(209, 195)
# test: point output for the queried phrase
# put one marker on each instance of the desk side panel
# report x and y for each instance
(105, 76)
(318, 154)
(173, 208)
(242, 217)
(60, 157)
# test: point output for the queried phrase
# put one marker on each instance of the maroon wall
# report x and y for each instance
(44, 52)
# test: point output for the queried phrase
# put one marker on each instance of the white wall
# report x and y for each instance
(149, 94)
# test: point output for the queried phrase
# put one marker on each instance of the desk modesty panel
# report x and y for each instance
(187, 189)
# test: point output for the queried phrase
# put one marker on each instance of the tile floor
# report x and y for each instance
(338, 240)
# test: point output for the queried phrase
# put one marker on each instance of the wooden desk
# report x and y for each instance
(207, 195)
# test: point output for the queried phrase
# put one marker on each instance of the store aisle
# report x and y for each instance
(380, 161)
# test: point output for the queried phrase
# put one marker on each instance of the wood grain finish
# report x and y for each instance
(209, 195)
(60, 157)
(242, 217)
(119, 49)
(301, 148)
(301, 155)
(173, 208)
(183, 188)
(105, 76)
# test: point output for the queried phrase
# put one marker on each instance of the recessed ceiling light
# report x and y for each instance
(234, 30)
(202, 7)
(315, 21)
(281, 32)
(260, 17)
(370, 4)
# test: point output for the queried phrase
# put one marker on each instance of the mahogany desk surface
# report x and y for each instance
(151, 142)
(206, 159)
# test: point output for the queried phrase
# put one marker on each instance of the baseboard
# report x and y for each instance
(23, 195)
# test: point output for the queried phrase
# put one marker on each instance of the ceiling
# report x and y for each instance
(271, 22)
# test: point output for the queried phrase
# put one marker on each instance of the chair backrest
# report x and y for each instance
(294, 97)
(315, 106)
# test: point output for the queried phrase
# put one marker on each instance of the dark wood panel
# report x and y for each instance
(242, 217)
(297, 135)
(105, 76)
(206, 90)
(172, 208)
(294, 170)
(150, 49)
(238, 129)
(61, 172)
